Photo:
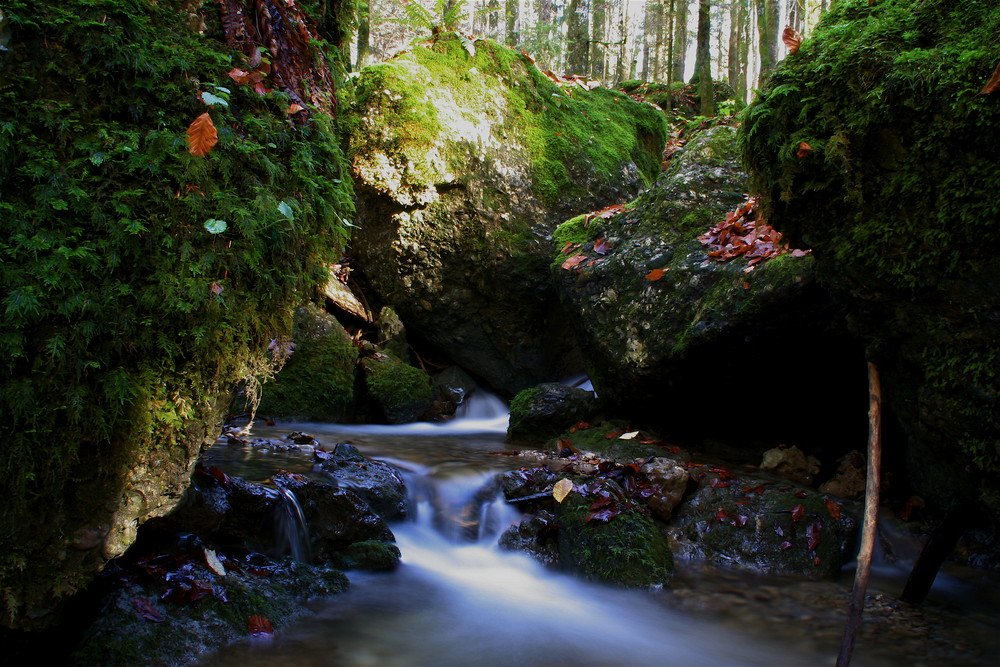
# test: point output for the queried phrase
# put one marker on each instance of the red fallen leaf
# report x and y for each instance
(202, 135)
(606, 514)
(759, 489)
(260, 88)
(569, 247)
(798, 512)
(602, 246)
(721, 515)
(217, 288)
(723, 473)
(147, 611)
(993, 84)
(804, 150)
(740, 520)
(812, 535)
(799, 252)
(801, 494)
(655, 275)
(294, 108)
(258, 626)
(792, 39)
(573, 261)
(582, 426)
(833, 508)
(673, 449)
(717, 483)
(220, 476)
(613, 435)
(784, 545)
(816, 561)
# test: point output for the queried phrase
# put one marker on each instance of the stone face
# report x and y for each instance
(464, 165)
(669, 349)
(542, 412)
(376, 482)
(894, 198)
(317, 380)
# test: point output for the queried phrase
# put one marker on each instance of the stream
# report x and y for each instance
(458, 600)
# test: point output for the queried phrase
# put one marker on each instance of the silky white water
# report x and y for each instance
(458, 600)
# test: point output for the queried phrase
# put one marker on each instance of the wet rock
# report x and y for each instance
(401, 392)
(765, 525)
(536, 536)
(850, 478)
(336, 517)
(671, 481)
(542, 412)
(317, 381)
(376, 482)
(461, 180)
(372, 555)
(392, 334)
(790, 462)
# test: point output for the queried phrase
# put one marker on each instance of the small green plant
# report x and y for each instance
(446, 16)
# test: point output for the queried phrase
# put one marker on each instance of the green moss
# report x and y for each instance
(897, 192)
(522, 400)
(374, 555)
(114, 292)
(317, 382)
(558, 127)
(629, 550)
(400, 390)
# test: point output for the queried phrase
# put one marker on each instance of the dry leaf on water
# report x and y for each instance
(202, 135)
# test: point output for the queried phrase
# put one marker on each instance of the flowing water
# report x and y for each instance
(458, 600)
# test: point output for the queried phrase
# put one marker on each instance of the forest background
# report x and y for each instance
(606, 40)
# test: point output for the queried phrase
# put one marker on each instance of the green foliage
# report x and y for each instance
(899, 190)
(115, 291)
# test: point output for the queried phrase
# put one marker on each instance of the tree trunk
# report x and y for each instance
(598, 36)
(680, 41)
(768, 13)
(364, 35)
(577, 36)
(511, 8)
(703, 58)
(493, 22)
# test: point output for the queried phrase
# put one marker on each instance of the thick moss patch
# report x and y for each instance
(125, 319)
(898, 198)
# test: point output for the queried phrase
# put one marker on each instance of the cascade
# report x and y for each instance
(291, 530)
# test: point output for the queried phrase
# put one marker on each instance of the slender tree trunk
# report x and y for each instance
(733, 60)
(703, 58)
(768, 13)
(598, 32)
(577, 37)
(364, 35)
(511, 8)
(680, 40)
(493, 20)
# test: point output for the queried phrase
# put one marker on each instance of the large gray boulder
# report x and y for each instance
(463, 166)
(666, 329)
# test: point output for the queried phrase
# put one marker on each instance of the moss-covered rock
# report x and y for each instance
(140, 282)
(401, 391)
(898, 199)
(663, 326)
(544, 411)
(464, 165)
(317, 381)
(766, 525)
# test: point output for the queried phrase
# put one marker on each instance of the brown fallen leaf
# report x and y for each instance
(573, 261)
(792, 39)
(147, 611)
(258, 626)
(655, 275)
(804, 150)
(202, 135)
(562, 489)
(993, 84)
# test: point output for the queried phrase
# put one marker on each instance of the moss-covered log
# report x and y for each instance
(139, 282)
(878, 149)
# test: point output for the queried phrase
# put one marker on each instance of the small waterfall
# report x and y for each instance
(291, 531)
(466, 508)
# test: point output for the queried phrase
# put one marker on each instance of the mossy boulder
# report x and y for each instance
(464, 164)
(664, 327)
(140, 283)
(627, 549)
(317, 381)
(765, 525)
(545, 411)
(898, 199)
(400, 391)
